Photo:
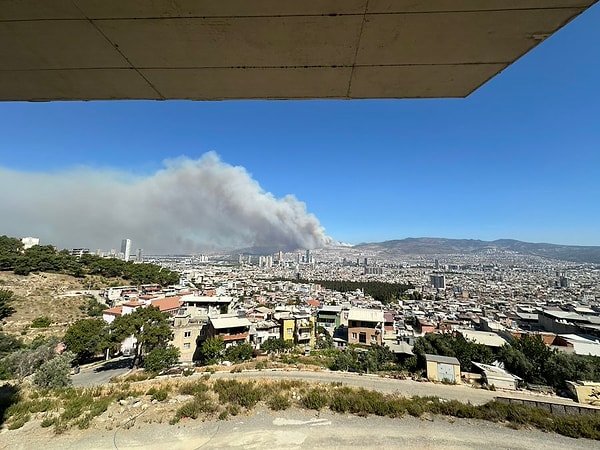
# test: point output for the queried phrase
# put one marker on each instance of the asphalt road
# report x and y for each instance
(97, 374)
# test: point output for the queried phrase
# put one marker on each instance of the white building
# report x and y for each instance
(29, 242)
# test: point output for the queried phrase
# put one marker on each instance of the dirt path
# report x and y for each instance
(298, 429)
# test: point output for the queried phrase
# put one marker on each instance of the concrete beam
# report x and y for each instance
(271, 49)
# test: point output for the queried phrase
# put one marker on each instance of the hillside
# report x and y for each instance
(42, 295)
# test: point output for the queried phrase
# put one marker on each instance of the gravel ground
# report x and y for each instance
(298, 429)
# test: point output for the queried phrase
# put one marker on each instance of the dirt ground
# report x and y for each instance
(42, 295)
(295, 429)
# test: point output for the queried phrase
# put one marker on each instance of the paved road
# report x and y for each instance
(299, 429)
(96, 374)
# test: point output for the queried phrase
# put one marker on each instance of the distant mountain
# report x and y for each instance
(440, 246)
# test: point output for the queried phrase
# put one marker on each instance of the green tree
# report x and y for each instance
(9, 344)
(93, 307)
(212, 349)
(6, 298)
(346, 360)
(452, 345)
(54, 374)
(149, 326)
(276, 345)
(86, 338)
(161, 358)
(239, 353)
(527, 358)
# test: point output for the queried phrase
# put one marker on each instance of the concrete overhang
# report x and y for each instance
(265, 49)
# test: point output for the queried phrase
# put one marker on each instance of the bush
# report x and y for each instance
(315, 398)
(193, 388)
(19, 422)
(54, 374)
(242, 394)
(41, 322)
(193, 408)
(279, 402)
(160, 395)
(48, 422)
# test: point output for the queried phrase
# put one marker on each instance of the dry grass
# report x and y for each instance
(38, 295)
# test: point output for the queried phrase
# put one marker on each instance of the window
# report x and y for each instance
(362, 338)
(289, 331)
(186, 346)
(187, 334)
(354, 336)
(373, 338)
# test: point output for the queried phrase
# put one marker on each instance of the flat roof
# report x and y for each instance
(486, 338)
(229, 322)
(442, 359)
(266, 49)
(366, 315)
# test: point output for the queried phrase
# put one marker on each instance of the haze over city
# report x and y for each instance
(517, 159)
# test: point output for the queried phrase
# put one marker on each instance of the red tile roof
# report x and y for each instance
(167, 303)
(116, 311)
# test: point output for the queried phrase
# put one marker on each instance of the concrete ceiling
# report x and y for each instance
(266, 49)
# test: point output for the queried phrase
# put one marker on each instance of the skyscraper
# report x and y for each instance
(126, 249)
(438, 281)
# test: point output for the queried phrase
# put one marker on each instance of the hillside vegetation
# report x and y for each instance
(46, 258)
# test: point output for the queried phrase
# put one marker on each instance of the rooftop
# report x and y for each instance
(365, 315)
(220, 323)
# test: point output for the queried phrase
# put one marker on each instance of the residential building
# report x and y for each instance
(233, 330)
(365, 326)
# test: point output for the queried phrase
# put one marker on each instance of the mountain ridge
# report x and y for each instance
(441, 246)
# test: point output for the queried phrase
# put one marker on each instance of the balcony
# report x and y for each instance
(234, 337)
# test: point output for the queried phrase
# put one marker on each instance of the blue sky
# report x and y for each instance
(518, 159)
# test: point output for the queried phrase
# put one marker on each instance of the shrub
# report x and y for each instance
(54, 374)
(41, 322)
(193, 388)
(315, 398)
(18, 422)
(160, 395)
(48, 422)
(279, 402)
(194, 408)
(242, 394)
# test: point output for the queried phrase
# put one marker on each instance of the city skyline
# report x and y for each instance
(517, 159)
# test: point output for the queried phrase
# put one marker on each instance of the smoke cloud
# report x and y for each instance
(188, 206)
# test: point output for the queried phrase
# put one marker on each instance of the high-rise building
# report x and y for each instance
(126, 249)
(140, 255)
(438, 281)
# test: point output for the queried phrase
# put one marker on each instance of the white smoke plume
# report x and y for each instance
(188, 206)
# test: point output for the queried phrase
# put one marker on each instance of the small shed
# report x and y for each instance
(443, 368)
(496, 376)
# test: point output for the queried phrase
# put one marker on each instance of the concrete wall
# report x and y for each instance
(554, 408)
